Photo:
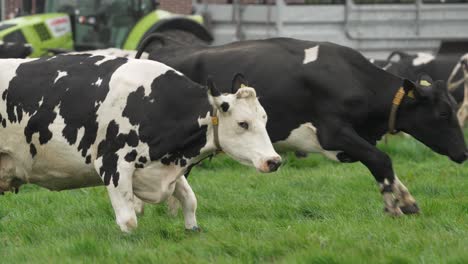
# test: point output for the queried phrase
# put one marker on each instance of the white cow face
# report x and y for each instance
(242, 129)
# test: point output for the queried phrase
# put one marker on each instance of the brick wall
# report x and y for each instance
(259, 2)
(177, 6)
(10, 7)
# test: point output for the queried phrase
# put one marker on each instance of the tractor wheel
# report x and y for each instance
(176, 37)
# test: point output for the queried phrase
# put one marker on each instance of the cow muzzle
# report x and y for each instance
(271, 164)
(460, 158)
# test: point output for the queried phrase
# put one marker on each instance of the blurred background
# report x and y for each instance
(374, 27)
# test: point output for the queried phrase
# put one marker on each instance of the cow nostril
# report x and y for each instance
(273, 164)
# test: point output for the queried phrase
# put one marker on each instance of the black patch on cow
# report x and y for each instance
(76, 95)
(225, 106)
(32, 150)
(139, 166)
(88, 159)
(3, 123)
(131, 156)
(132, 139)
(168, 122)
(143, 159)
(107, 150)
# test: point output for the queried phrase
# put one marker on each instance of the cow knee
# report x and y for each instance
(138, 205)
(173, 206)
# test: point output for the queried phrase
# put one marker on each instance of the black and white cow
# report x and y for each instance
(326, 98)
(137, 126)
(410, 66)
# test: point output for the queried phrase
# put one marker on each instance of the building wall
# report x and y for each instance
(177, 6)
(10, 7)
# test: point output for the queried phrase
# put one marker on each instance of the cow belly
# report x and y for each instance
(156, 182)
(59, 166)
(304, 139)
(56, 165)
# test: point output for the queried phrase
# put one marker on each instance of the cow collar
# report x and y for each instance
(215, 123)
(393, 112)
(397, 99)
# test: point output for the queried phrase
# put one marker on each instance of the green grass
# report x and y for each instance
(311, 211)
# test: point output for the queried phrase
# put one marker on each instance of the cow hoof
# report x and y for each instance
(194, 229)
(128, 226)
(410, 209)
(395, 212)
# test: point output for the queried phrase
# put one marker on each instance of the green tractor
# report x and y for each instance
(77, 25)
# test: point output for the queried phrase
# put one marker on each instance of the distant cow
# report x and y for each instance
(410, 66)
(136, 126)
(326, 98)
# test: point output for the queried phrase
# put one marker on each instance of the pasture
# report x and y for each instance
(311, 211)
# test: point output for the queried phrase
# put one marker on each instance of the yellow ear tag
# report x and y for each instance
(424, 83)
(411, 94)
(243, 85)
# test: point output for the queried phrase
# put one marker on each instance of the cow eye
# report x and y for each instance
(244, 125)
(445, 114)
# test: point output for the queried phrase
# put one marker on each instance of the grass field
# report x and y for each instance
(311, 211)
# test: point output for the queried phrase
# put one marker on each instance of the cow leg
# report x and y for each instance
(463, 113)
(121, 196)
(406, 202)
(173, 206)
(138, 205)
(379, 164)
(183, 192)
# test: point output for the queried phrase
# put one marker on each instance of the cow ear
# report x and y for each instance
(238, 81)
(416, 90)
(246, 92)
(212, 90)
(424, 87)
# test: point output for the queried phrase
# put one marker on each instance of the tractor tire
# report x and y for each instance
(176, 37)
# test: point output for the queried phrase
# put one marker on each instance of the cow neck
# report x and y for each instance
(383, 110)
(397, 99)
(215, 123)
(397, 102)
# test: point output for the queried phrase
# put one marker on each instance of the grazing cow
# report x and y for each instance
(411, 66)
(463, 66)
(322, 97)
(136, 126)
(14, 50)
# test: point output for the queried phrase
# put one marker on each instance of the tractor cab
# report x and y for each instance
(102, 23)
(67, 25)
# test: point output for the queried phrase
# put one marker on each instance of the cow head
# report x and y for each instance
(242, 128)
(429, 114)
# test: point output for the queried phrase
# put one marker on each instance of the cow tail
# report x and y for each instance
(144, 44)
